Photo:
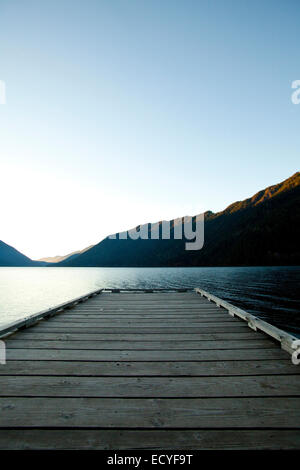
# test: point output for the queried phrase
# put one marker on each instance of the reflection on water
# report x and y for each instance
(272, 293)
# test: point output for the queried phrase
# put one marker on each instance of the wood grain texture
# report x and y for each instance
(158, 370)
(29, 335)
(200, 439)
(141, 345)
(159, 413)
(163, 329)
(144, 387)
(146, 355)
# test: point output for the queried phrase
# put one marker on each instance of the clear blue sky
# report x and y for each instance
(121, 112)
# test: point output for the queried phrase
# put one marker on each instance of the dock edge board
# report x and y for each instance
(288, 342)
(48, 313)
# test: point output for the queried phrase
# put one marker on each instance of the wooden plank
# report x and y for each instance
(146, 299)
(141, 345)
(137, 317)
(159, 309)
(146, 308)
(141, 319)
(154, 295)
(199, 439)
(159, 413)
(30, 334)
(193, 299)
(144, 319)
(131, 355)
(144, 387)
(143, 323)
(160, 304)
(177, 368)
(133, 293)
(231, 327)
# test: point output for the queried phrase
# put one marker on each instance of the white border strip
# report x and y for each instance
(288, 342)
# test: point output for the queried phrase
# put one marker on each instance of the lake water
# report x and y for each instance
(272, 293)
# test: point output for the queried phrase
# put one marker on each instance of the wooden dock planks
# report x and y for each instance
(159, 370)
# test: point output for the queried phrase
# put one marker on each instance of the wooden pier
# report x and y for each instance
(148, 370)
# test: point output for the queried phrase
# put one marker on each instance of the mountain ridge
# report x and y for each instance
(59, 258)
(253, 232)
(263, 229)
(9, 256)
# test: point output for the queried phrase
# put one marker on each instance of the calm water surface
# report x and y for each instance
(272, 293)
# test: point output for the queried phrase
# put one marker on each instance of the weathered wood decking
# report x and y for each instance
(163, 370)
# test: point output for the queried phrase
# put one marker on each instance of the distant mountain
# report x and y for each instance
(261, 230)
(58, 259)
(9, 256)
